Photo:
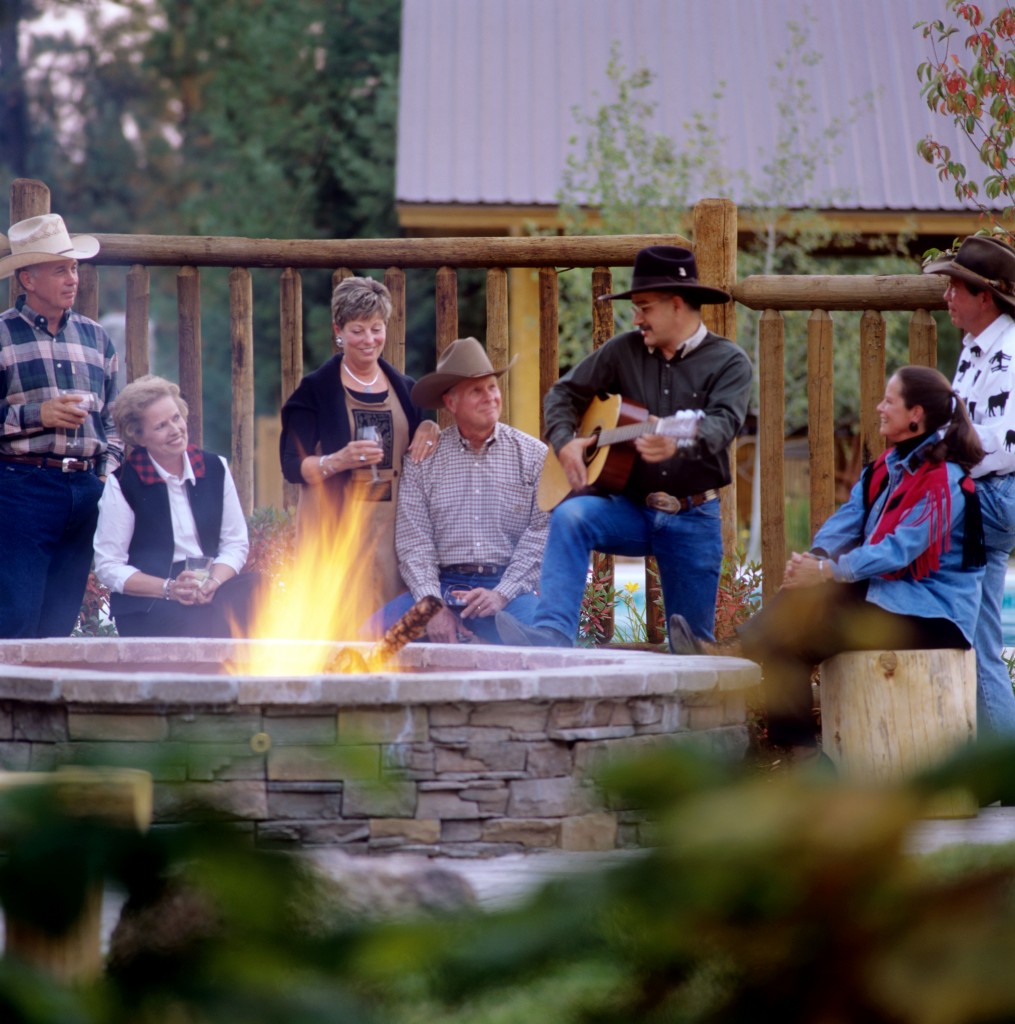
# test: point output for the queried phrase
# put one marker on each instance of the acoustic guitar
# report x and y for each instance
(612, 422)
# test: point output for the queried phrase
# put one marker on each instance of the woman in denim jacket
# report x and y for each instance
(900, 564)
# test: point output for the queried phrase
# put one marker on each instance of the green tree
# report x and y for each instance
(976, 91)
(259, 118)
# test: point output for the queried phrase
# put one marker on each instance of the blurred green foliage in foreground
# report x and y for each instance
(787, 896)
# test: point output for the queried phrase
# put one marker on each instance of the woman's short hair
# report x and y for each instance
(129, 407)
(359, 298)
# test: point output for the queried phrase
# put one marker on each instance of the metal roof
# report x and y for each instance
(488, 87)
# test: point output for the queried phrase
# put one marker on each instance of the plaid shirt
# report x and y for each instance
(36, 365)
(463, 505)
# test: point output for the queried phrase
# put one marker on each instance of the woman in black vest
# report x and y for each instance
(168, 502)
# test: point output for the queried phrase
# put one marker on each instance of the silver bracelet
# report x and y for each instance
(166, 587)
(323, 466)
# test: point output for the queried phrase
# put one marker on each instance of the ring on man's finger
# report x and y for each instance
(362, 458)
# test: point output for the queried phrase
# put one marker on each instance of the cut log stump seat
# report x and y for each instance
(887, 714)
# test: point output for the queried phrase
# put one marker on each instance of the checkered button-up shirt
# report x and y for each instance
(36, 366)
(466, 505)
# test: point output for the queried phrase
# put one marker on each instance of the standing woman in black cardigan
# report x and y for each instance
(323, 421)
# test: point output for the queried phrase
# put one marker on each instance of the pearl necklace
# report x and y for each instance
(366, 385)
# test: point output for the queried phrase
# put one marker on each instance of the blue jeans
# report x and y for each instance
(523, 607)
(687, 547)
(48, 520)
(995, 701)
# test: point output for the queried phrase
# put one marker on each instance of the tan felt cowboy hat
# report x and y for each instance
(984, 262)
(463, 359)
(668, 268)
(43, 240)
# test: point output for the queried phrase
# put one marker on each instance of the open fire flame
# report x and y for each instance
(326, 595)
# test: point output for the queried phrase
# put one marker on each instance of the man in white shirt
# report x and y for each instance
(981, 302)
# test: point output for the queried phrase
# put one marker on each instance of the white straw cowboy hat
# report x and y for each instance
(43, 240)
(463, 359)
(984, 262)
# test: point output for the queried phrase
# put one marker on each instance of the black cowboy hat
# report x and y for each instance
(668, 268)
(983, 262)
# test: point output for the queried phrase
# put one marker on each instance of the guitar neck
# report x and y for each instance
(628, 432)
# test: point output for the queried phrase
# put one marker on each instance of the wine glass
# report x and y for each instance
(368, 432)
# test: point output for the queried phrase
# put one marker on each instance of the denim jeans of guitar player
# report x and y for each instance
(687, 547)
(522, 608)
(995, 703)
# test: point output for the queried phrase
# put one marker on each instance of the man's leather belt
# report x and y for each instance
(663, 502)
(468, 569)
(67, 465)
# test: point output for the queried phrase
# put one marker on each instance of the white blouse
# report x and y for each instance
(116, 527)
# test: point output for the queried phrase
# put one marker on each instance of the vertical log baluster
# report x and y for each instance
(188, 304)
(241, 335)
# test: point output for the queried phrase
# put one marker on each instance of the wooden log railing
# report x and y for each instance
(714, 229)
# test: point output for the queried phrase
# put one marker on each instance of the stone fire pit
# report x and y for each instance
(460, 750)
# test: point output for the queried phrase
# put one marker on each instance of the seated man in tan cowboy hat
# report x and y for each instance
(980, 293)
(669, 364)
(468, 529)
(57, 439)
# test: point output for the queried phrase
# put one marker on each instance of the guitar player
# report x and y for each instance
(669, 506)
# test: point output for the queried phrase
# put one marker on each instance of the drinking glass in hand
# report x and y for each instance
(370, 433)
(200, 567)
(88, 401)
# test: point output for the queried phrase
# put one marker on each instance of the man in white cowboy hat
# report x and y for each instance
(468, 529)
(669, 506)
(981, 302)
(57, 439)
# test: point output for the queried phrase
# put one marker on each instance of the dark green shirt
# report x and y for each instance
(714, 377)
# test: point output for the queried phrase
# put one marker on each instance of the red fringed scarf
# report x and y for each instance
(927, 484)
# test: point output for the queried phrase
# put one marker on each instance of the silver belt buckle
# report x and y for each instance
(69, 465)
(663, 502)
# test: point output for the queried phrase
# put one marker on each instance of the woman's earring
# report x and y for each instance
(339, 342)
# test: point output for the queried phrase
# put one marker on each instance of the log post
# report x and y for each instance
(87, 301)
(922, 339)
(715, 253)
(136, 321)
(188, 303)
(549, 359)
(820, 417)
(394, 348)
(888, 714)
(772, 441)
(241, 334)
(602, 330)
(29, 198)
(497, 339)
(446, 297)
(290, 316)
(872, 383)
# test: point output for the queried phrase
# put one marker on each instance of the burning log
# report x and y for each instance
(411, 626)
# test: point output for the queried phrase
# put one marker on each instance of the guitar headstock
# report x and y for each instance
(682, 425)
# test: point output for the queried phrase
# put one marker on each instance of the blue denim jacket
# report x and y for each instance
(949, 593)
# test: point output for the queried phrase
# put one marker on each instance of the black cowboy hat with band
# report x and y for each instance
(668, 268)
(984, 262)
